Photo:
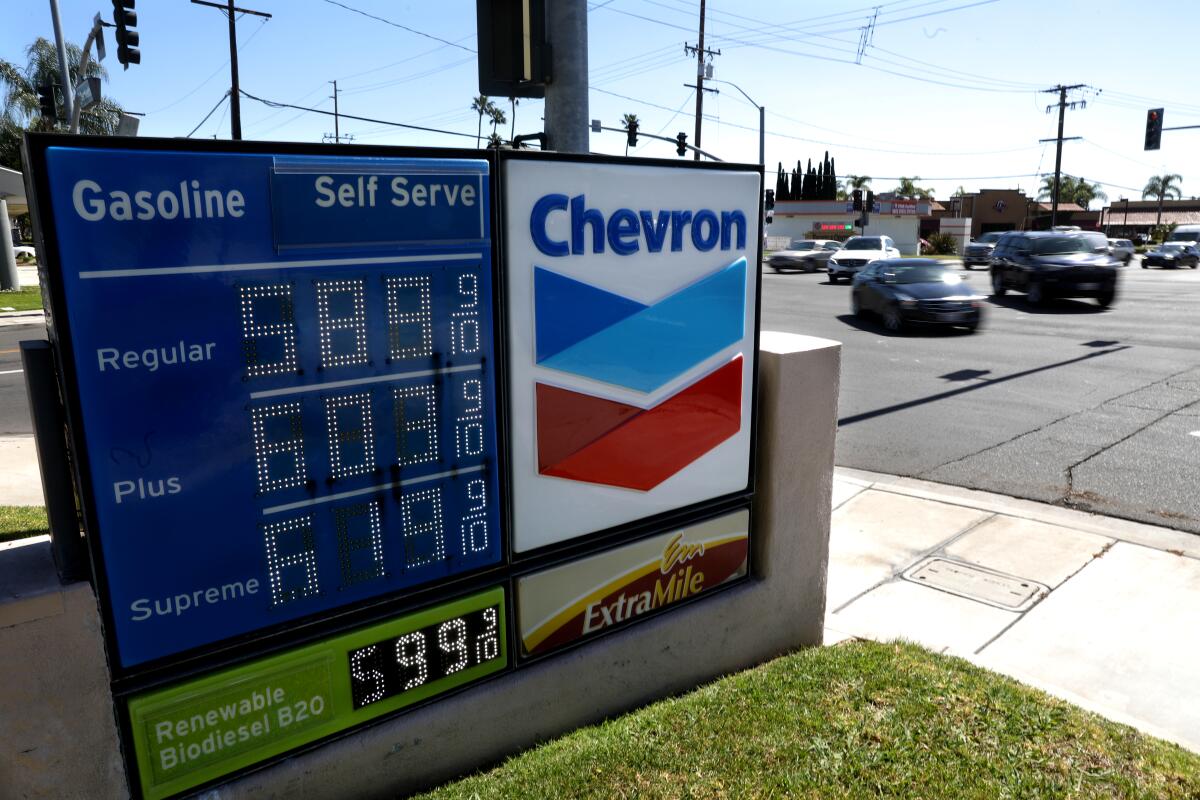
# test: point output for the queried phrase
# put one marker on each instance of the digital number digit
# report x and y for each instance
(464, 332)
(278, 446)
(342, 322)
(422, 425)
(474, 526)
(268, 329)
(472, 392)
(351, 439)
(468, 288)
(424, 532)
(409, 316)
(359, 531)
(373, 678)
(452, 638)
(468, 426)
(413, 660)
(291, 546)
(487, 644)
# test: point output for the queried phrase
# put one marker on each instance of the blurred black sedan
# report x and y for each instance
(915, 290)
(1171, 255)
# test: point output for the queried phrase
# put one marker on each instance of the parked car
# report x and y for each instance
(857, 252)
(1172, 254)
(1047, 264)
(1121, 249)
(806, 255)
(903, 291)
(979, 251)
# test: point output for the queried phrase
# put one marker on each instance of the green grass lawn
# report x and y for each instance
(858, 720)
(28, 299)
(17, 522)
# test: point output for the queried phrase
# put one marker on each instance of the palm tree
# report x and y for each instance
(482, 105)
(498, 118)
(631, 121)
(908, 188)
(1085, 192)
(1162, 186)
(857, 181)
(22, 110)
(512, 133)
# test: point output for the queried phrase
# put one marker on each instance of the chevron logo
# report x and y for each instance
(596, 334)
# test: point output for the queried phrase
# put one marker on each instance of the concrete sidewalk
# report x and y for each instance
(1098, 611)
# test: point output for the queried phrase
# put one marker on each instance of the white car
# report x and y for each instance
(1121, 249)
(857, 252)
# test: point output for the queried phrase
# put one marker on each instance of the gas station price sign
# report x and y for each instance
(280, 373)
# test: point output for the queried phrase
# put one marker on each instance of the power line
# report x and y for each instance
(373, 120)
(209, 114)
(386, 21)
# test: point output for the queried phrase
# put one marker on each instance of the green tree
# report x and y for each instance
(857, 181)
(1163, 187)
(482, 105)
(498, 118)
(512, 133)
(21, 109)
(1085, 192)
(908, 188)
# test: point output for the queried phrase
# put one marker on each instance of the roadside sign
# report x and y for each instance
(632, 319)
(592, 596)
(98, 30)
(281, 381)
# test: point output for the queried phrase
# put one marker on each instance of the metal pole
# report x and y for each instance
(762, 136)
(84, 58)
(1062, 111)
(337, 136)
(64, 70)
(8, 261)
(235, 105)
(699, 80)
(567, 122)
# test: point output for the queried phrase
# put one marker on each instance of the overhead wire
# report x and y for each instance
(386, 21)
(224, 97)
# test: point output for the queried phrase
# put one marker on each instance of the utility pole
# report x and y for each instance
(700, 90)
(567, 121)
(64, 69)
(1062, 109)
(235, 93)
(336, 138)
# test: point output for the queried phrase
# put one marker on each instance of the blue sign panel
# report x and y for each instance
(285, 374)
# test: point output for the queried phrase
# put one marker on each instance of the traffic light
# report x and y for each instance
(1154, 122)
(770, 204)
(127, 38)
(631, 129)
(514, 56)
(46, 102)
(869, 206)
(857, 195)
(681, 143)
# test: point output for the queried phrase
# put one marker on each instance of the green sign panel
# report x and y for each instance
(197, 731)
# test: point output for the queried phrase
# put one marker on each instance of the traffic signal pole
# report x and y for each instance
(64, 69)
(567, 123)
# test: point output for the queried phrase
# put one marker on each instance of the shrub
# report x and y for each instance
(942, 244)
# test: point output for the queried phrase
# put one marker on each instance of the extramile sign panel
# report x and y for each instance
(632, 307)
(202, 729)
(285, 380)
(591, 596)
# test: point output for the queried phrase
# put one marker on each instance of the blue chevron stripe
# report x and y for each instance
(569, 311)
(651, 347)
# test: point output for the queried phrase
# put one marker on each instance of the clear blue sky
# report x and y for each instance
(965, 108)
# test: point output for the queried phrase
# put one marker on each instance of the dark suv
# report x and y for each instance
(1053, 264)
(979, 251)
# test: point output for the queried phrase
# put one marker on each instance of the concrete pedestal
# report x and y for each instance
(57, 724)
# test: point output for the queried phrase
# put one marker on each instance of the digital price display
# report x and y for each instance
(285, 379)
(388, 668)
(202, 729)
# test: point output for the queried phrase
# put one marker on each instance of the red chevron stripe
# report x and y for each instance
(587, 438)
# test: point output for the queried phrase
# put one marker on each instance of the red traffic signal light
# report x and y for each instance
(1154, 127)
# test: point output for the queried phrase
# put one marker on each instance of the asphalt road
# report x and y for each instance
(1069, 404)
